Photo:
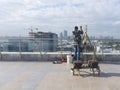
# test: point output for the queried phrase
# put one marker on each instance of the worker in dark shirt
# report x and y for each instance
(77, 42)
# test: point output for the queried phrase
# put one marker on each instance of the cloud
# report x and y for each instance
(57, 15)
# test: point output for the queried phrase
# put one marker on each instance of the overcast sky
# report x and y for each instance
(101, 16)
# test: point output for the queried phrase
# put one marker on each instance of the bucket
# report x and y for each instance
(69, 59)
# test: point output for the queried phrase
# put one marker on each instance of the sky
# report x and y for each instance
(101, 16)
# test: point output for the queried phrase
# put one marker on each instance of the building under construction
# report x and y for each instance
(45, 41)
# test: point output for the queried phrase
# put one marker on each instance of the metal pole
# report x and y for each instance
(40, 48)
(102, 52)
(0, 55)
(20, 48)
(85, 40)
(61, 47)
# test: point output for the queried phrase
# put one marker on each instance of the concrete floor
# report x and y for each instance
(48, 76)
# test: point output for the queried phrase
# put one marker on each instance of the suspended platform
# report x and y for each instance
(85, 63)
(92, 65)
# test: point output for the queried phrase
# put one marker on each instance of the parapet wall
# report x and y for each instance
(50, 56)
(31, 56)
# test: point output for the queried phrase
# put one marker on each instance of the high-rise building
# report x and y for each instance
(65, 34)
(61, 35)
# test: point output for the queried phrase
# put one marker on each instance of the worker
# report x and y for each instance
(77, 42)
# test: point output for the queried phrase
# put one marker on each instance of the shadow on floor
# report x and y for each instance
(103, 74)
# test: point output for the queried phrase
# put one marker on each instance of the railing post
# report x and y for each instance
(40, 53)
(0, 55)
(20, 48)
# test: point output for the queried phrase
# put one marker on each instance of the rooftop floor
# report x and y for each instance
(48, 76)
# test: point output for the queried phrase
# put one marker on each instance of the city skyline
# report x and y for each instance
(101, 16)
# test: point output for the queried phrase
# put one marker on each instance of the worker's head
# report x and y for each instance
(76, 28)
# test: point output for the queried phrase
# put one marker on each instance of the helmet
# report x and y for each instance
(76, 27)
